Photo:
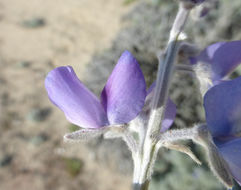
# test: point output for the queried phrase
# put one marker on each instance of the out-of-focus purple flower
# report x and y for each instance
(222, 58)
(207, 7)
(222, 105)
(122, 98)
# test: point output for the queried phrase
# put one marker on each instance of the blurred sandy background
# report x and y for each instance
(36, 36)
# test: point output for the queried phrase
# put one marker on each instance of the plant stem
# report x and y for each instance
(149, 149)
(165, 70)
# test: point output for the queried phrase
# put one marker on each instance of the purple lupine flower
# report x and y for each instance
(122, 98)
(222, 105)
(222, 58)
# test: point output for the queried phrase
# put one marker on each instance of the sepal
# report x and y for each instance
(219, 166)
(85, 134)
(216, 162)
(182, 148)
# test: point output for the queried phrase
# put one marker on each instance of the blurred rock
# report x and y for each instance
(39, 139)
(4, 99)
(39, 114)
(73, 165)
(24, 64)
(34, 22)
(6, 160)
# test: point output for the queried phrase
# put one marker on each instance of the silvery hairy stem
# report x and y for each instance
(165, 70)
(145, 160)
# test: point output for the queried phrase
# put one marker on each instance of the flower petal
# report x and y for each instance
(222, 105)
(80, 106)
(223, 57)
(169, 116)
(231, 152)
(125, 91)
(170, 112)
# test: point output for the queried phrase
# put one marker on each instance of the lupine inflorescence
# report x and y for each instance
(127, 108)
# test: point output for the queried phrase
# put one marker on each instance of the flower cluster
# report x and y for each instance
(126, 100)
(143, 117)
(222, 101)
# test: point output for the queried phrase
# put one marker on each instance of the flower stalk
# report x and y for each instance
(149, 150)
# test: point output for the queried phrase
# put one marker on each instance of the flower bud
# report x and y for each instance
(205, 8)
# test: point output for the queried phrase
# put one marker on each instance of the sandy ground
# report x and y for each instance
(36, 36)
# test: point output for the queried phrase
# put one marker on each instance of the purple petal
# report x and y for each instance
(170, 112)
(80, 106)
(222, 105)
(169, 116)
(125, 91)
(231, 152)
(224, 57)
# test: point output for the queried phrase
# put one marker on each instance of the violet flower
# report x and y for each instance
(222, 105)
(220, 59)
(122, 98)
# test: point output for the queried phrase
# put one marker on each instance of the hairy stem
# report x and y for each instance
(178, 134)
(165, 70)
(149, 149)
